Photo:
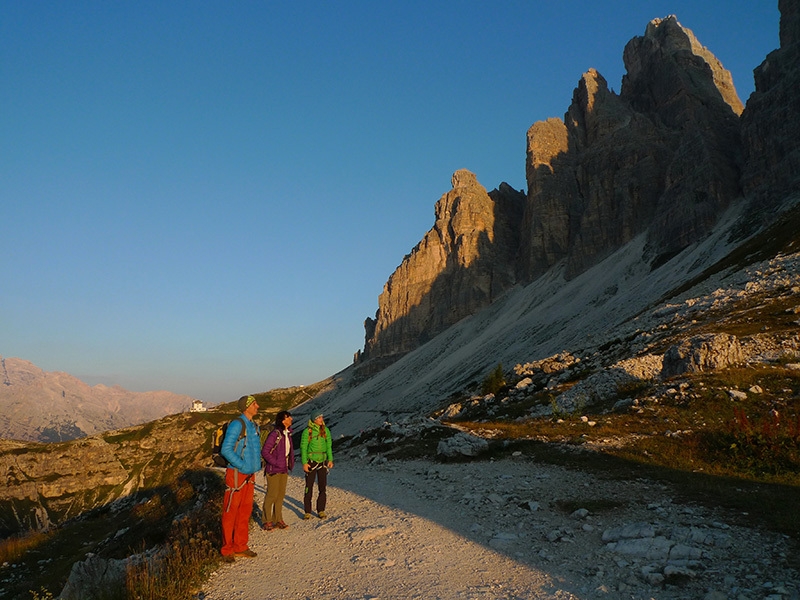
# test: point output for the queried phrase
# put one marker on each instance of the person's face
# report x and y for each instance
(319, 420)
(251, 410)
(287, 420)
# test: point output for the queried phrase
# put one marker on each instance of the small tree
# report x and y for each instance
(494, 381)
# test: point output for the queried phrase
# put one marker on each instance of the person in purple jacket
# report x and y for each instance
(278, 454)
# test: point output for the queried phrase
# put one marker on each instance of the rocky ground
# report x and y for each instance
(511, 528)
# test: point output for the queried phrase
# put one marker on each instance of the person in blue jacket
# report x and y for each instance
(243, 453)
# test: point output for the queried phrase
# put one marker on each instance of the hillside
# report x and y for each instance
(619, 309)
(49, 484)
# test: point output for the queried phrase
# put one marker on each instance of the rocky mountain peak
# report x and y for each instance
(687, 69)
(661, 161)
(595, 111)
(464, 179)
(460, 266)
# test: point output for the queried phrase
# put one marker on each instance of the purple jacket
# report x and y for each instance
(274, 453)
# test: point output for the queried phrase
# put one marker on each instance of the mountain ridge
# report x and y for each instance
(687, 210)
(532, 322)
(665, 157)
(42, 406)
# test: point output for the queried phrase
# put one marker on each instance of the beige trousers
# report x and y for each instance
(273, 501)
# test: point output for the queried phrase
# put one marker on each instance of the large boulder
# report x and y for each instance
(702, 353)
(603, 388)
(461, 444)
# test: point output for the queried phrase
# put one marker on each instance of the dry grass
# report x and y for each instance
(190, 550)
(14, 547)
(181, 519)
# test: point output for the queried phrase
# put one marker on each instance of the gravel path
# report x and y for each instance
(494, 530)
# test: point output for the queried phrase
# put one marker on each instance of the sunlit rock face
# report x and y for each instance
(661, 157)
(461, 265)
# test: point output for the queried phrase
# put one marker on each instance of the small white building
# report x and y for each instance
(197, 406)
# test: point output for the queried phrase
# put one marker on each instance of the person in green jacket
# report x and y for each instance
(316, 455)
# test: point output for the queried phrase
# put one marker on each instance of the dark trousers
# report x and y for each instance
(319, 472)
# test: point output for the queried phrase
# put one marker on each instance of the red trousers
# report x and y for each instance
(237, 506)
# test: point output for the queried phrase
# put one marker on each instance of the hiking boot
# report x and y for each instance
(306, 516)
(228, 558)
(268, 526)
(281, 525)
(322, 514)
(246, 554)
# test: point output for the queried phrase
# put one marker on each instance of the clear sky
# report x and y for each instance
(207, 197)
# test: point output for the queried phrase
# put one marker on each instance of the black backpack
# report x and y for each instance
(217, 439)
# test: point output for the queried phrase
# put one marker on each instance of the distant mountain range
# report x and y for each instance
(41, 406)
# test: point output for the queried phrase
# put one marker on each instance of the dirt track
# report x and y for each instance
(492, 530)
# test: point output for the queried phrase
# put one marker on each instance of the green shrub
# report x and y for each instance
(494, 382)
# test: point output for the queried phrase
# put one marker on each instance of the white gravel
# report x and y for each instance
(419, 529)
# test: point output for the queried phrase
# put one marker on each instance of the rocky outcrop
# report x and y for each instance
(461, 444)
(702, 353)
(94, 576)
(461, 265)
(771, 120)
(604, 388)
(551, 364)
(46, 484)
(663, 156)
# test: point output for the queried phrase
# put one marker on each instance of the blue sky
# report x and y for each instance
(207, 197)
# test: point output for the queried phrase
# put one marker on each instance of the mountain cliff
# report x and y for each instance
(631, 199)
(664, 158)
(461, 266)
(771, 121)
(41, 406)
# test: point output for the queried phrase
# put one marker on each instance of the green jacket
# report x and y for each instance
(315, 446)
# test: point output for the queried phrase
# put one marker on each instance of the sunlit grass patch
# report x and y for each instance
(15, 546)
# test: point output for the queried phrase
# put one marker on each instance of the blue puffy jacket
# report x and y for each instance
(242, 454)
